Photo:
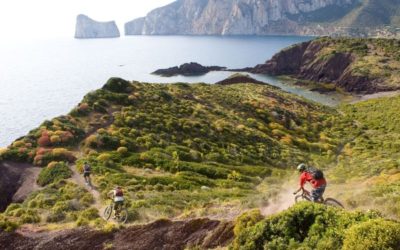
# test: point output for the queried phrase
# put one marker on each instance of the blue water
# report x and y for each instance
(43, 79)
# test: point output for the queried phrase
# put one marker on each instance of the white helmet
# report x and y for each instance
(301, 167)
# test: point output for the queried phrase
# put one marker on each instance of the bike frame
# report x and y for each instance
(307, 194)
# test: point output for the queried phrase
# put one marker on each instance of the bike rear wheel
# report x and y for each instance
(108, 212)
(300, 197)
(333, 203)
(123, 216)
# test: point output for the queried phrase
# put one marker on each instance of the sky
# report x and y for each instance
(31, 19)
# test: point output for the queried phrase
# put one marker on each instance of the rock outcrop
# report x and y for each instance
(162, 234)
(355, 65)
(89, 28)
(17, 180)
(239, 78)
(188, 69)
(244, 17)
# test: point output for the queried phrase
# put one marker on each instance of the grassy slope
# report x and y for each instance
(192, 150)
(371, 156)
(178, 148)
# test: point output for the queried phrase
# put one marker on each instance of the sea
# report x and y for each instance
(42, 79)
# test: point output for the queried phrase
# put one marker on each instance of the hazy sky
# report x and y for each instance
(56, 18)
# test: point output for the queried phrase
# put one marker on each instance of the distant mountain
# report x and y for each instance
(262, 17)
(89, 28)
(374, 13)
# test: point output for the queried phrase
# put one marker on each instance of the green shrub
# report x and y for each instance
(7, 225)
(89, 214)
(30, 216)
(303, 226)
(373, 234)
(55, 217)
(247, 220)
(117, 85)
(122, 150)
(54, 173)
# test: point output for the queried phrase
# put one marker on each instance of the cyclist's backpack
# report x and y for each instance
(86, 168)
(119, 192)
(317, 174)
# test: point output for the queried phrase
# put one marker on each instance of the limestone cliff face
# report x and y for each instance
(89, 28)
(234, 17)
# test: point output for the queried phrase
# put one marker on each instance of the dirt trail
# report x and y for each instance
(78, 179)
(280, 202)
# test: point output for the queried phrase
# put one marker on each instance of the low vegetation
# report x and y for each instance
(176, 148)
(181, 150)
(55, 171)
(315, 226)
(370, 155)
(372, 58)
(59, 202)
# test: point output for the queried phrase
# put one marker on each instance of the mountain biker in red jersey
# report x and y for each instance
(318, 184)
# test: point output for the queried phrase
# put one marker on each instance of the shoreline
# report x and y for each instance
(360, 98)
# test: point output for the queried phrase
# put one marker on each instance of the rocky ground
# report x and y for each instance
(162, 234)
(17, 180)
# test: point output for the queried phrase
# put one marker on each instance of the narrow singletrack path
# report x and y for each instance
(78, 179)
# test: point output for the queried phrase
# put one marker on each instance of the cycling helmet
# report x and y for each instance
(301, 167)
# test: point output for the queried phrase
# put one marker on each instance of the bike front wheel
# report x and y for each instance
(333, 203)
(108, 212)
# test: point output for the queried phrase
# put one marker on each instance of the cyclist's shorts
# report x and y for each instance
(118, 204)
(87, 174)
(317, 193)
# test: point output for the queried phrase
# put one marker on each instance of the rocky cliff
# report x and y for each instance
(238, 17)
(261, 17)
(356, 65)
(89, 28)
(17, 180)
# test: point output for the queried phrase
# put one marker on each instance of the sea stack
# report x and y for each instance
(89, 28)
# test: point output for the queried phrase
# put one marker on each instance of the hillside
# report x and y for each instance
(178, 147)
(374, 13)
(324, 17)
(370, 157)
(184, 151)
(361, 66)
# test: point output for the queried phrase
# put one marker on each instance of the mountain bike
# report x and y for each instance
(306, 196)
(120, 215)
